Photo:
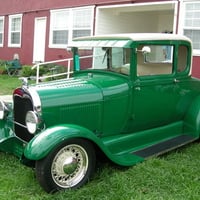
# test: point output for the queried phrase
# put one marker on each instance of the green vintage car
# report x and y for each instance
(131, 96)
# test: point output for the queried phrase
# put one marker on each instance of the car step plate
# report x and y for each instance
(165, 146)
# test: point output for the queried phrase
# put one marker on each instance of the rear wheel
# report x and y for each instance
(70, 165)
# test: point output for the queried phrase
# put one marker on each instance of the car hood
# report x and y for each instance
(84, 88)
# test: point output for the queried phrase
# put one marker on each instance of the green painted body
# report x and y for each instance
(120, 114)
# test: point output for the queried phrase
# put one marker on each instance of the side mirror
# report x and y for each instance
(69, 49)
(146, 50)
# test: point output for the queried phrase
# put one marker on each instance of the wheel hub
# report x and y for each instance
(70, 165)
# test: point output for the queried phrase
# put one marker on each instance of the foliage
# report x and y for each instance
(174, 176)
(27, 71)
(57, 69)
(47, 69)
(2, 67)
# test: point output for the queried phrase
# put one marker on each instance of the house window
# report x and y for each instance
(191, 24)
(67, 24)
(15, 23)
(82, 22)
(60, 27)
(1, 30)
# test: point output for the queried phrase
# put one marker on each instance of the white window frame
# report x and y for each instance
(70, 25)
(182, 26)
(55, 25)
(10, 31)
(2, 31)
(86, 25)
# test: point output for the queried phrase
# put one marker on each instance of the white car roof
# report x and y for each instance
(121, 40)
(141, 36)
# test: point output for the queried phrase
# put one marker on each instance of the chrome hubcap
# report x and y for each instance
(69, 166)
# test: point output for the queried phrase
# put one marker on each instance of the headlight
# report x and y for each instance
(2, 110)
(31, 121)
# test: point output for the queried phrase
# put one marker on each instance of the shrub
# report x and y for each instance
(2, 67)
(27, 71)
(48, 69)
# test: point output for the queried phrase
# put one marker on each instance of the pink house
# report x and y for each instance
(40, 30)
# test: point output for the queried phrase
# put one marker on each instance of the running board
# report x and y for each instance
(165, 146)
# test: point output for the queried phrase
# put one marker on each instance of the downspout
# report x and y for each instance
(94, 20)
(176, 17)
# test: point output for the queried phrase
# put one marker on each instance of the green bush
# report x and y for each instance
(48, 69)
(27, 71)
(2, 67)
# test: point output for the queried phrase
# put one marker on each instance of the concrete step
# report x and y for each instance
(6, 98)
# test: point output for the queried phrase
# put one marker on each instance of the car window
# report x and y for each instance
(120, 60)
(116, 59)
(154, 60)
(182, 58)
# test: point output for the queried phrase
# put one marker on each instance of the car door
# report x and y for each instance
(155, 93)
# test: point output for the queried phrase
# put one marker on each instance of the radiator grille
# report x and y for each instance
(21, 106)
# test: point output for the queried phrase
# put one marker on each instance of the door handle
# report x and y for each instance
(176, 81)
(137, 88)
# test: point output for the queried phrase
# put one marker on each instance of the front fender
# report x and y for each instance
(44, 142)
(41, 145)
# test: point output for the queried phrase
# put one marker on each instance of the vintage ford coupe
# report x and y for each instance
(131, 96)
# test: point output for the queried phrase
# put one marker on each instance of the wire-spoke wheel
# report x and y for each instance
(69, 166)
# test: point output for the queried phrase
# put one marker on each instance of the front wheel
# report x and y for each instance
(70, 165)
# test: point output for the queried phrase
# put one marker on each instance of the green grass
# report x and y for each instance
(8, 84)
(174, 176)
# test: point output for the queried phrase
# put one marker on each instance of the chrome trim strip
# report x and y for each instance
(35, 99)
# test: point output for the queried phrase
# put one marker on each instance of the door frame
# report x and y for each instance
(39, 39)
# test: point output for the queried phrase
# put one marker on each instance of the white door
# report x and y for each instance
(39, 40)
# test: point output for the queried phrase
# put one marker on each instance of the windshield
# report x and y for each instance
(116, 59)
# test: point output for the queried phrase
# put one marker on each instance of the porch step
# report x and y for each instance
(165, 146)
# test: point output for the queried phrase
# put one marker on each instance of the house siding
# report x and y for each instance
(196, 66)
(33, 9)
(19, 6)
(26, 50)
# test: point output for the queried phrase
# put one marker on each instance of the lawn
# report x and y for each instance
(8, 84)
(173, 176)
